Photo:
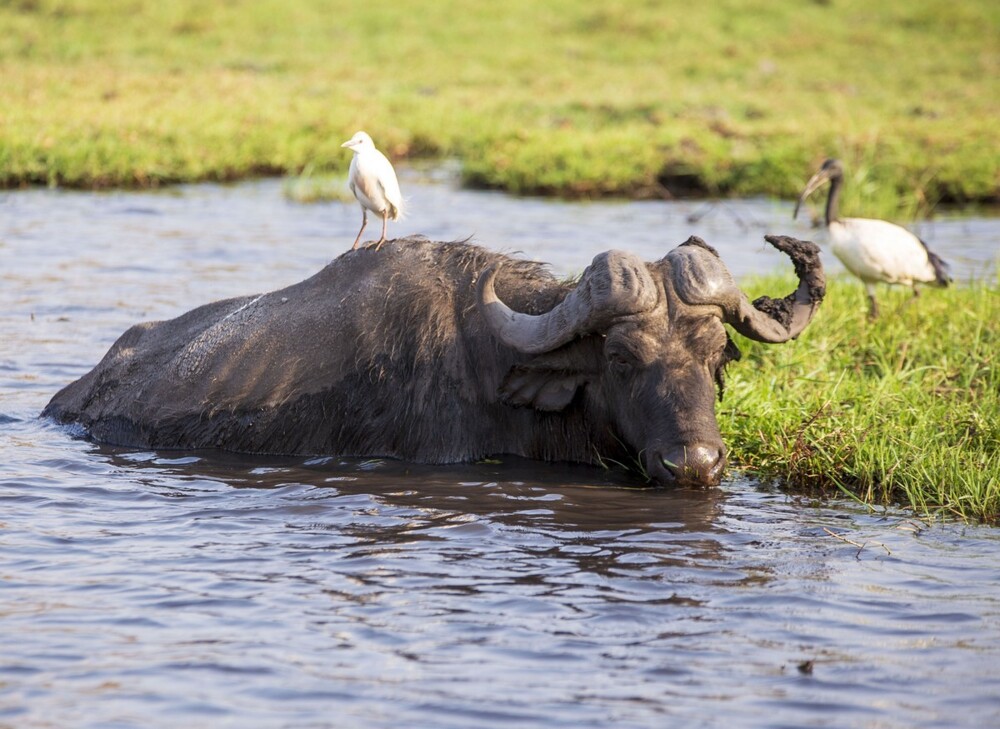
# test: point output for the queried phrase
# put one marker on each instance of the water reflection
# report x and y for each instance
(238, 588)
(591, 516)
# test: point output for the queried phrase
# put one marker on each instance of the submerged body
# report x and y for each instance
(373, 182)
(875, 251)
(448, 352)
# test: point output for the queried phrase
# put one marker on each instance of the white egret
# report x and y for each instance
(874, 250)
(373, 182)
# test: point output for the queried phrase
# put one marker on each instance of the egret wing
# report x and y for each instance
(389, 186)
(366, 187)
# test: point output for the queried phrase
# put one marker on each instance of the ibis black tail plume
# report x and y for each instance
(940, 269)
(941, 276)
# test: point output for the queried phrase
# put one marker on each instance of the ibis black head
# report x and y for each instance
(831, 168)
(830, 171)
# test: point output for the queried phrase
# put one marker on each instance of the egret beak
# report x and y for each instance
(814, 182)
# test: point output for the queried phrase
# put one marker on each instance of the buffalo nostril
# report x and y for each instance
(697, 464)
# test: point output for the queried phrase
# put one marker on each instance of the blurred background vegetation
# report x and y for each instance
(566, 97)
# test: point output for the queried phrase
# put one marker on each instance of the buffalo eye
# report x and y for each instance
(620, 361)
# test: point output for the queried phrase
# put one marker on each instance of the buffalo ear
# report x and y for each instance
(550, 381)
(550, 391)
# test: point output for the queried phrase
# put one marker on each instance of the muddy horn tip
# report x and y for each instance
(787, 244)
(805, 259)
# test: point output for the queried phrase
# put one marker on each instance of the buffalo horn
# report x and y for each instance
(615, 284)
(700, 278)
(778, 320)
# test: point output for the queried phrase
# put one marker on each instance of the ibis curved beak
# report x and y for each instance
(814, 182)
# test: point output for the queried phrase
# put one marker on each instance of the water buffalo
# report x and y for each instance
(448, 352)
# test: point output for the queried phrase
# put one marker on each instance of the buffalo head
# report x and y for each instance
(646, 346)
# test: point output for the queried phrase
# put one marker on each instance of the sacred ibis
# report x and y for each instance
(874, 250)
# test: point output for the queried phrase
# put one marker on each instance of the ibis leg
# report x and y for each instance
(872, 303)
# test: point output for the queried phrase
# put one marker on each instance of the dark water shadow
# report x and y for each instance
(571, 503)
(572, 490)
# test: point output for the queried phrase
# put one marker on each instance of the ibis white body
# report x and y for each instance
(875, 251)
(373, 181)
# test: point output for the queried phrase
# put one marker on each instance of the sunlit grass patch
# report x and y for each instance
(565, 98)
(905, 409)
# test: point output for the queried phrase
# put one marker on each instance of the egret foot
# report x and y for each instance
(385, 222)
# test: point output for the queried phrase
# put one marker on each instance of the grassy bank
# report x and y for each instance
(905, 409)
(564, 97)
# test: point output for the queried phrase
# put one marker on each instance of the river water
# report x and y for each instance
(142, 589)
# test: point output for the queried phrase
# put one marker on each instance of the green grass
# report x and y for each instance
(905, 409)
(618, 97)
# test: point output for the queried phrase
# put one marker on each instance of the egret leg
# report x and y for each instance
(385, 221)
(364, 222)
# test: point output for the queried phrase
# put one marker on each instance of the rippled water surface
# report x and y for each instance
(206, 589)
